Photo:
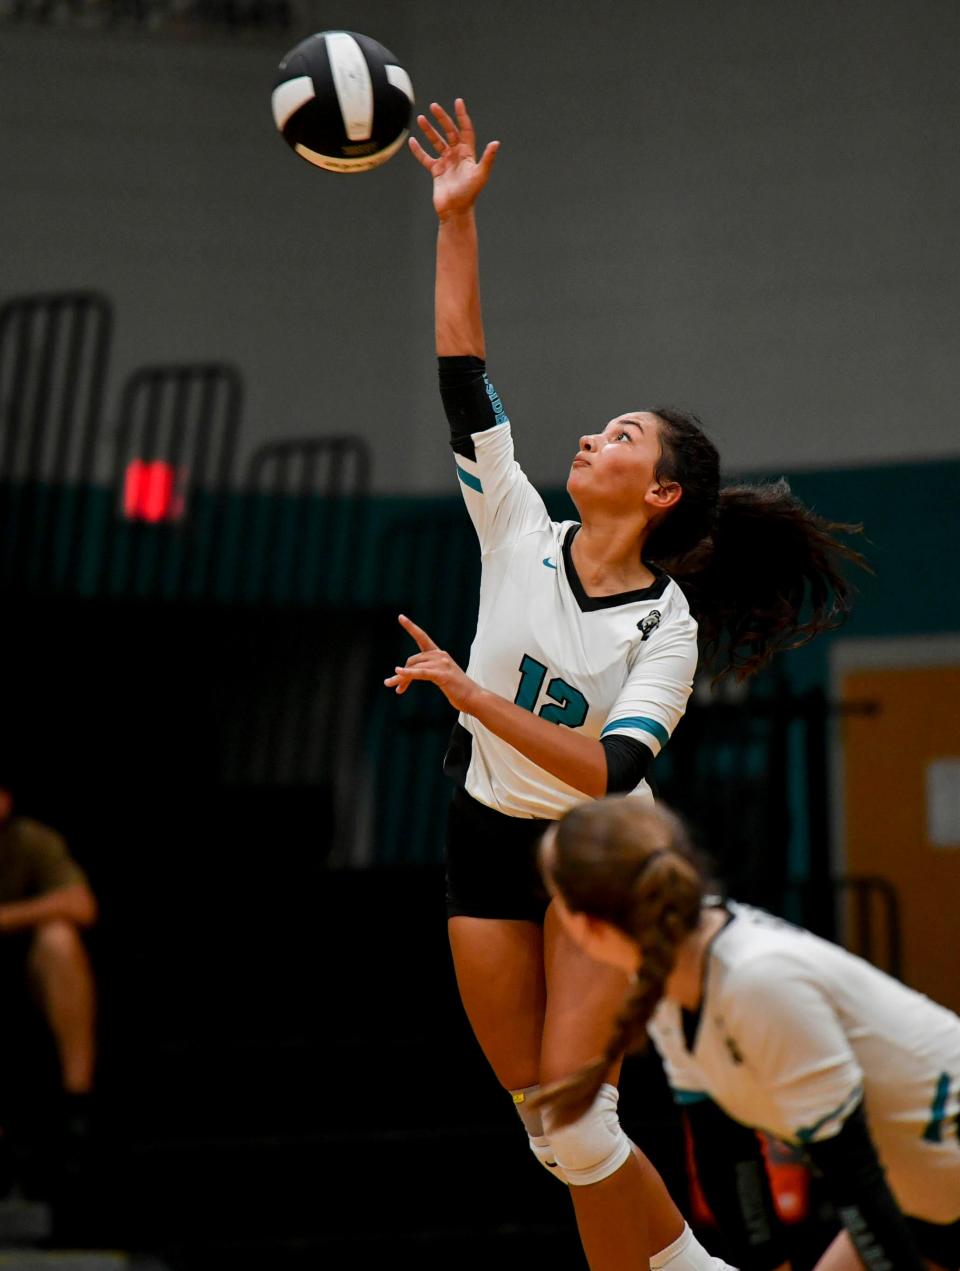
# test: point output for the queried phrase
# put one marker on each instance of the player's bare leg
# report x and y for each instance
(537, 1022)
(628, 1215)
(841, 1256)
(499, 968)
(60, 972)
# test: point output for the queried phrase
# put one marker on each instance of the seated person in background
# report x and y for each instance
(45, 903)
(776, 1028)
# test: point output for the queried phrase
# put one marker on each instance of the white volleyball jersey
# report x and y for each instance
(794, 1032)
(609, 665)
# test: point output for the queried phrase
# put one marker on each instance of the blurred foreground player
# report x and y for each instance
(779, 1029)
(45, 905)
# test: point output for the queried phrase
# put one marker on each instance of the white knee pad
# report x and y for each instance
(540, 1145)
(542, 1149)
(687, 1254)
(594, 1147)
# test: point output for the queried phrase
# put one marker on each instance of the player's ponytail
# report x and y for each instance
(762, 571)
(633, 867)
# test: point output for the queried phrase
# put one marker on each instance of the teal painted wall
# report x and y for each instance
(384, 552)
(910, 515)
(911, 519)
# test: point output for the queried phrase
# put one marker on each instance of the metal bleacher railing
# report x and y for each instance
(245, 583)
(303, 519)
(175, 446)
(434, 559)
(861, 911)
(174, 522)
(54, 352)
(873, 929)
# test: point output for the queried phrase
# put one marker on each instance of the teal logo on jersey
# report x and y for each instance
(549, 563)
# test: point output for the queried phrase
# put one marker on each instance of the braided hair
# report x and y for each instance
(631, 865)
(762, 571)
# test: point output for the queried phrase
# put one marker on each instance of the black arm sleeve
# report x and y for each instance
(627, 762)
(733, 1176)
(466, 393)
(855, 1182)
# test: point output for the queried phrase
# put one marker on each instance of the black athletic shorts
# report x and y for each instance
(491, 863)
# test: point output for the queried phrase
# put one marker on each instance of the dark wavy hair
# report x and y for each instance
(762, 571)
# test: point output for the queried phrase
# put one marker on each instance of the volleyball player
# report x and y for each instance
(780, 1029)
(581, 668)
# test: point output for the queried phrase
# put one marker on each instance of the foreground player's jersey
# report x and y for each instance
(611, 665)
(794, 1031)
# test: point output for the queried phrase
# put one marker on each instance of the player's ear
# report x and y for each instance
(587, 932)
(595, 928)
(663, 495)
(578, 925)
(607, 943)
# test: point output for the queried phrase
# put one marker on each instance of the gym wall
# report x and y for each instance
(744, 209)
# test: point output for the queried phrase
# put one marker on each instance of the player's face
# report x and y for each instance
(598, 939)
(617, 465)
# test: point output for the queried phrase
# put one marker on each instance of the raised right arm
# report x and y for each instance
(457, 316)
(458, 178)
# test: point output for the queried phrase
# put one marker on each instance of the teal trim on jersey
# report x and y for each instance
(686, 1097)
(639, 721)
(808, 1132)
(469, 479)
(938, 1110)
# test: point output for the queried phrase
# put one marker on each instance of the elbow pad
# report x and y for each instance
(627, 762)
(469, 400)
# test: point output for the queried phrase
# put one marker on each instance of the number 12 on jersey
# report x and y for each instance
(568, 705)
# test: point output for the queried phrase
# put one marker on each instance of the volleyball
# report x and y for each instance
(342, 101)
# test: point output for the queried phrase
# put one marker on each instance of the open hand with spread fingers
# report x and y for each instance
(458, 177)
(432, 664)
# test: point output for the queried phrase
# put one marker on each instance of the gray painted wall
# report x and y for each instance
(746, 207)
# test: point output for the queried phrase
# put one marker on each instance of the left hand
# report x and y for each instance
(432, 664)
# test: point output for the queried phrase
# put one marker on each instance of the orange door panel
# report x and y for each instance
(886, 756)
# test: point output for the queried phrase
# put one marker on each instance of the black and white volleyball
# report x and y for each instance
(343, 101)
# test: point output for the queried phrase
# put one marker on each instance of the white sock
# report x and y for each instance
(687, 1254)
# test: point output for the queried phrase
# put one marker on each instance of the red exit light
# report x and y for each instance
(152, 492)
